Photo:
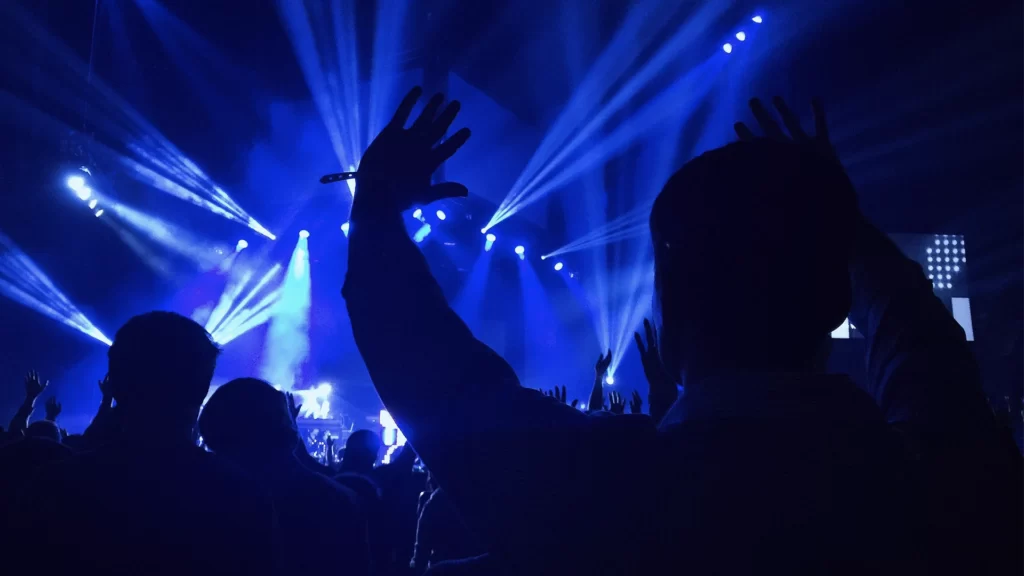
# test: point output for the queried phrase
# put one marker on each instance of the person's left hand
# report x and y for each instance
(52, 409)
(395, 170)
(293, 407)
(616, 403)
(636, 404)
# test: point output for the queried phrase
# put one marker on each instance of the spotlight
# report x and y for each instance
(741, 36)
(93, 203)
(417, 214)
(490, 242)
(609, 379)
(441, 215)
(491, 237)
(324, 388)
(76, 182)
(558, 266)
(303, 233)
(344, 229)
(242, 245)
(520, 250)
(99, 212)
(727, 47)
(757, 19)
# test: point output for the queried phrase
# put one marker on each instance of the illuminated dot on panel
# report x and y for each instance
(964, 260)
(440, 215)
(741, 36)
(941, 285)
(931, 267)
(945, 242)
(558, 266)
(948, 277)
(929, 250)
(936, 241)
(950, 286)
(954, 250)
(929, 258)
(931, 276)
(946, 251)
(947, 268)
(956, 268)
(727, 47)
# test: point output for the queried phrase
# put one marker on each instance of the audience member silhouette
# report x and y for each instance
(765, 464)
(361, 451)
(150, 501)
(248, 422)
(441, 534)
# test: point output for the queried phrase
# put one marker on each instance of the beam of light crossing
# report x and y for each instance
(24, 282)
(228, 315)
(679, 43)
(287, 345)
(66, 92)
(248, 318)
(199, 251)
(633, 224)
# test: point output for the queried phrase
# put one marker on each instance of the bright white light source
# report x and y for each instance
(99, 212)
(929, 250)
(558, 266)
(324, 388)
(303, 233)
(727, 47)
(344, 228)
(440, 215)
(741, 36)
(351, 182)
(76, 182)
(417, 214)
(242, 245)
(757, 19)
(520, 250)
(609, 379)
(956, 268)
(941, 285)
(491, 237)
(936, 241)
(93, 203)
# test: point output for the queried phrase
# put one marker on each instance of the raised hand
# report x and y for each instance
(105, 388)
(636, 404)
(603, 362)
(397, 166)
(773, 131)
(663, 392)
(616, 403)
(52, 409)
(34, 386)
(293, 407)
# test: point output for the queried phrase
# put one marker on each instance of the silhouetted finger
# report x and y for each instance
(639, 343)
(429, 112)
(405, 108)
(450, 146)
(649, 332)
(745, 134)
(764, 119)
(820, 126)
(796, 131)
(440, 127)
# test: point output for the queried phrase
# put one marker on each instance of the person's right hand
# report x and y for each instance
(636, 404)
(616, 403)
(34, 386)
(293, 407)
(395, 170)
(662, 388)
(52, 409)
(603, 362)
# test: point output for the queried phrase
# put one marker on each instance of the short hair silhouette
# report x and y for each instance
(248, 416)
(161, 361)
(45, 429)
(361, 450)
(751, 245)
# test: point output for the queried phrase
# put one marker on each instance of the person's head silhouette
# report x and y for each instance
(751, 248)
(44, 429)
(160, 367)
(248, 419)
(361, 450)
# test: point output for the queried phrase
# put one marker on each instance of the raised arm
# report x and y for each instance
(34, 386)
(504, 454)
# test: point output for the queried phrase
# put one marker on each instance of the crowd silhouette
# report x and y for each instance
(750, 458)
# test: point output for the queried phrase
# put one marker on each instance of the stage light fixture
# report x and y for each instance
(351, 182)
(441, 215)
(242, 245)
(344, 229)
(558, 266)
(741, 36)
(490, 242)
(93, 203)
(727, 47)
(609, 379)
(757, 19)
(76, 182)
(417, 214)
(303, 233)
(99, 212)
(521, 251)
(491, 237)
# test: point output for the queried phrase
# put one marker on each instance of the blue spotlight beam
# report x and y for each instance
(224, 321)
(630, 225)
(287, 344)
(52, 67)
(670, 50)
(24, 282)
